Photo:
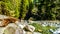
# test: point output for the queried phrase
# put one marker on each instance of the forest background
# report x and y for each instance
(31, 9)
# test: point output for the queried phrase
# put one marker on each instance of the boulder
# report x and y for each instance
(13, 29)
(9, 30)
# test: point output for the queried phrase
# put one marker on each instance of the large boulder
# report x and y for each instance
(13, 29)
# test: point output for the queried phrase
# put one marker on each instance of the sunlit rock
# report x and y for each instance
(9, 30)
(20, 24)
(13, 29)
(30, 28)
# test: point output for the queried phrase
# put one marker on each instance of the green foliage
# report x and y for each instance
(3, 9)
(24, 7)
(38, 9)
(47, 10)
(37, 26)
(42, 29)
(12, 7)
